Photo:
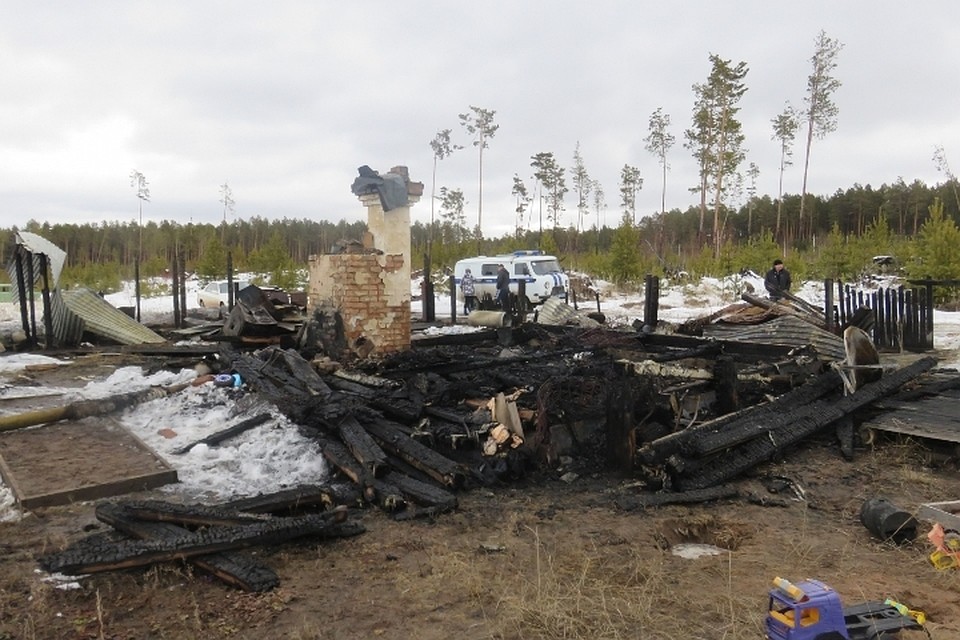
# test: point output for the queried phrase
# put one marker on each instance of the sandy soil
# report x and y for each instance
(541, 558)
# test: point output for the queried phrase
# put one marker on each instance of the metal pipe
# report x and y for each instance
(495, 319)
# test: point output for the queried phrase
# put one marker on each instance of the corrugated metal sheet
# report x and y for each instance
(555, 311)
(785, 330)
(101, 318)
(67, 326)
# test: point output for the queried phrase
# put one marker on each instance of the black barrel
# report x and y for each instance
(886, 522)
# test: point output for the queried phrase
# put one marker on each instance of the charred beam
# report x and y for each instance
(186, 514)
(126, 555)
(226, 434)
(291, 501)
(423, 493)
(659, 450)
(340, 457)
(363, 447)
(396, 442)
(234, 568)
(645, 501)
(805, 422)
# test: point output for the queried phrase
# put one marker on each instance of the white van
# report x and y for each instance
(541, 274)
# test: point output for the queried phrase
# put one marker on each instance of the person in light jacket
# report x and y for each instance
(468, 287)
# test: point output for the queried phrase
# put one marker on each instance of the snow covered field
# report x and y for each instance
(274, 455)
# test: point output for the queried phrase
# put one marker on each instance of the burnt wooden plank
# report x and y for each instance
(395, 441)
(126, 555)
(226, 434)
(187, 514)
(749, 428)
(301, 498)
(340, 457)
(657, 451)
(422, 493)
(805, 422)
(647, 500)
(234, 568)
(362, 445)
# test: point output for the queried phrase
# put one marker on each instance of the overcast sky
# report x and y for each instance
(284, 101)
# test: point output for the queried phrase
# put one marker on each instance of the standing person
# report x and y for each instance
(469, 292)
(777, 280)
(503, 287)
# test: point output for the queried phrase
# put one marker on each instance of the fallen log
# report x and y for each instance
(234, 568)
(226, 434)
(291, 501)
(187, 515)
(388, 496)
(644, 501)
(363, 447)
(657, 451)
(424, 494)
(130, 554)
(806, 421)
(354, 388)
(395, 441)
(341, 458)
(81, 409)
(749, 427)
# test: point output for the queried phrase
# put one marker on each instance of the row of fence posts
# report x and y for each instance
(902, 318)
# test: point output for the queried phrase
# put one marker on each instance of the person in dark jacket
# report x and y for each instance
(777, 280)
(503, 287)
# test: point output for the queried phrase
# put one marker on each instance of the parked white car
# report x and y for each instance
(215, 294)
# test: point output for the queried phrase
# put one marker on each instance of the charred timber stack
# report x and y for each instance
(206, 537)
(715, 452)
(348, 417)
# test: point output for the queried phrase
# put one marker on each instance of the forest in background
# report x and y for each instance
(915, 223)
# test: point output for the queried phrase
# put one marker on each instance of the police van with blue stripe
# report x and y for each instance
(541, 274)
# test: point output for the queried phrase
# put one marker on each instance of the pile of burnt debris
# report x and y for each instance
(686, 415)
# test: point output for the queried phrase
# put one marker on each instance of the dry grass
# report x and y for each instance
(547, 586)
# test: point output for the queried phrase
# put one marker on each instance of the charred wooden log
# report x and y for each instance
(354, 388)
(396, 442)
(187, 515)
(801, 423)
(362, 446)
(726, 385)
(424, 494)
(340, 457)
(645, 501)
(621, 431)
(291, 501)
(226, 434)
(656, 452)
(398, 408)
(234, 568)
(750, 427)
(388, 496)
(126, 555)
